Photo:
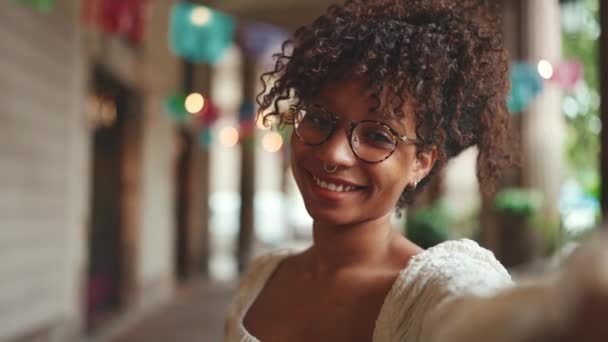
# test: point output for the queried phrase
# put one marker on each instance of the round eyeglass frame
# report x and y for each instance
(351, 128)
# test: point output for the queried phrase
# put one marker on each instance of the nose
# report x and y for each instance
(337, 150)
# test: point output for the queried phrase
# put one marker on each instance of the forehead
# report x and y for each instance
(350, 99)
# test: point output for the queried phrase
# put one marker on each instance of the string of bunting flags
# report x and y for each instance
(260, 40)
(122, 18)
(196, 111)
(200, 34)
(200, 114)
(44, 6)
(528, 80)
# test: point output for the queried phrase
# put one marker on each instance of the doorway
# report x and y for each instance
(183, 214)
(114, 198)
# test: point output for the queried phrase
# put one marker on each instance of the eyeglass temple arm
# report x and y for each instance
(408, 139)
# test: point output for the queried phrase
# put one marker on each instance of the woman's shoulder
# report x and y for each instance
(448, 270)
(456, 266)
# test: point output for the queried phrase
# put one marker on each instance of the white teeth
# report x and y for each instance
(332, 186)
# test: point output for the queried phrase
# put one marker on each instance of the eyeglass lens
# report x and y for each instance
(370, 140)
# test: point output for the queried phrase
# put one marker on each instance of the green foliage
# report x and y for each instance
(594, 188)
(428, 226)
(175, 107)
(581, 30)
(518, 201)
(41, 5)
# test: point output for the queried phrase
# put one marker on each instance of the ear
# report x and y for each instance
(424, 163)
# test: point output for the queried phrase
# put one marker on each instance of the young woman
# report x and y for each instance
(382, 94)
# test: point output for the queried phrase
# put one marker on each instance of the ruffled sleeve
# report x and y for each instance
(447, 271)
(541, 308)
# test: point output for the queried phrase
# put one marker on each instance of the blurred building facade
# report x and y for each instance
(88, 172)
(44, 152)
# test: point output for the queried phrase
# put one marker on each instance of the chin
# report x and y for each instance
(335, 217)
(338, 216)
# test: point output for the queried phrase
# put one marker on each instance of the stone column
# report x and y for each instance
(246, 232)
(201, 244)
(543, 127)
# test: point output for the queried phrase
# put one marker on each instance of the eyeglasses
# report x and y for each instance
(371, 141)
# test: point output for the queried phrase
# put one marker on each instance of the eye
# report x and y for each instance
(318, 119)
(376, 137)
(379, 137)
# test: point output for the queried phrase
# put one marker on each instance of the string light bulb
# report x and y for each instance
(229, 136)
(194, 103)
(200, 16)
(272, 142)
(545, 69)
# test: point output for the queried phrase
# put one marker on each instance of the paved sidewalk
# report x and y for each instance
(196, 314)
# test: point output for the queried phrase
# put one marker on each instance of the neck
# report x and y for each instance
(339, 247)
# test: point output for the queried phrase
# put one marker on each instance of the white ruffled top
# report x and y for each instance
(447, 271)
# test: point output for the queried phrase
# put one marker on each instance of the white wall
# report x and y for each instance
(543, 125)
(160, 76)
(43, 173)
(156, 237)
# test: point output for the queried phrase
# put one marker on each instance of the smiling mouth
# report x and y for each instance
(332, 186)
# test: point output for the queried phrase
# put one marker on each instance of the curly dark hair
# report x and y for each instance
(445, 56)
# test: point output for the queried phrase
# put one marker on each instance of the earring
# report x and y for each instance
(416, 180)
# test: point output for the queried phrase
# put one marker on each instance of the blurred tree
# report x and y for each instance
(428, 225)
(581, 30)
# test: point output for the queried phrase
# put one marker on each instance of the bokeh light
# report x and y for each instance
(229, 136)
(195, 103)
(260, 123)
(200, 16)
(272, 142)
(108, 113)
(545, 69)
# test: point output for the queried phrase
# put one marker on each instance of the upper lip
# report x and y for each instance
(337, 181)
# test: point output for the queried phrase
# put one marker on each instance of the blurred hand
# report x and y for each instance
(590, 323)
(586, 278)
(570, 306)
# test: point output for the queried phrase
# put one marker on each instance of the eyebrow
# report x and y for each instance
(397, 121)
(391, 122)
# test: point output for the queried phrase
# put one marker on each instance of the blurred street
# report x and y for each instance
(195, 315)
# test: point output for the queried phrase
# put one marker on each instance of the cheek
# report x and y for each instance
(296, 150)
(394, 176)
(394, 183)
(298, 154)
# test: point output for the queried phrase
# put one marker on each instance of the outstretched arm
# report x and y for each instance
(571, 306)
